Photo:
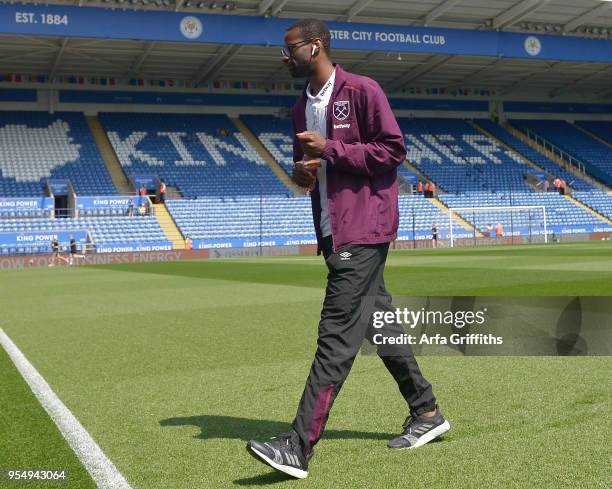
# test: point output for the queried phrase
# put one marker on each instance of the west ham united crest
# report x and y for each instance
(342, 109)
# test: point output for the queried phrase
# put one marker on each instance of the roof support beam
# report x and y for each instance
(355, 9)
(584, 18)
(606, 94)
(369, 59)
(58, 58)
(516, 13)
(433, 63)
(141, 59)
(526, 78)
(276, 10)
(440, 10)
(568, 87)
(476, 74)
(215, 64)
(95, 59)
(26, 54)
(263, 7)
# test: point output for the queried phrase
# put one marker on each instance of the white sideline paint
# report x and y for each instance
(102, 470)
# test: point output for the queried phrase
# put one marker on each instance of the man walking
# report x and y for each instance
(347, 148)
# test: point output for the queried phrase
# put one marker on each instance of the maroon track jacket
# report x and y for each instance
(363, 149)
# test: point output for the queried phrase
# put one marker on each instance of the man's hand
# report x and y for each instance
(312, 143)
(304, 173)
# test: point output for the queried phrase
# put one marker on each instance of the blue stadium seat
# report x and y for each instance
(560, 211)
(104, 230)
(37, 145)
(187, 152)
(247, 217)
(459, 158)
(596, 156)
(550, 167)
(598, 201)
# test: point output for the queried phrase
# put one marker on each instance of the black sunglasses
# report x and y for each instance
(287, 50)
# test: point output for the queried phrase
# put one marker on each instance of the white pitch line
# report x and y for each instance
(102, 470)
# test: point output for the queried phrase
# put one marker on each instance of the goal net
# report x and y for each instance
(498, 225)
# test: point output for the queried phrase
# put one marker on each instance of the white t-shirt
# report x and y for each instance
(316, 120)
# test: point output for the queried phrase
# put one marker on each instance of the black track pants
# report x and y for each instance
(355, 272)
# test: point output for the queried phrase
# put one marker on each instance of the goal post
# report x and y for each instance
(520, 224)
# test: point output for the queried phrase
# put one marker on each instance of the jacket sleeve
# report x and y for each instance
(384, 150)
(298, 153)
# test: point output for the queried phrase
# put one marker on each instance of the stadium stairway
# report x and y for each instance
(169, 227)
(587, 208)
(590, 134)
(552, 156)
(109, 156)
(456, 217)
(268, 158)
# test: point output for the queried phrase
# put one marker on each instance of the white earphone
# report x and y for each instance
(314, 50)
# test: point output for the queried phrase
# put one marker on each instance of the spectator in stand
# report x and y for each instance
(547, 185)
(488, 231)
(434, 236)
(142, 209)
(188, 242)
(130, 209)
(499, 231)
(426, 190)
(162, 191)
(143, 191)
(419, 187)
(562, 187)
(432, 189)
(557, 184)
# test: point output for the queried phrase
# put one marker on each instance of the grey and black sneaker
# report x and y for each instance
(419, 430)
(282, 453)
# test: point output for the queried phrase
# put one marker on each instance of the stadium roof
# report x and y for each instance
(201, 63)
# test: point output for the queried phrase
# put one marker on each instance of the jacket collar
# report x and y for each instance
(341, 77)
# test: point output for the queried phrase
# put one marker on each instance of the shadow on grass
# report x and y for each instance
(264, 479)
(214, 426)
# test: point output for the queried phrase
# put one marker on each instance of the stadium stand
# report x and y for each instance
(459, 158)
(226, 218)
(105, 231)
(35, 146)
(25, 213)
(549, 166)
(596, 156)
(598, 201)
(189, 153)
(282, 219)
(425, 215)
(562, 215)
(602, 129)
(275, 133)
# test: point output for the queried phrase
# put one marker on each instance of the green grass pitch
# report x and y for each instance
(171, 367)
